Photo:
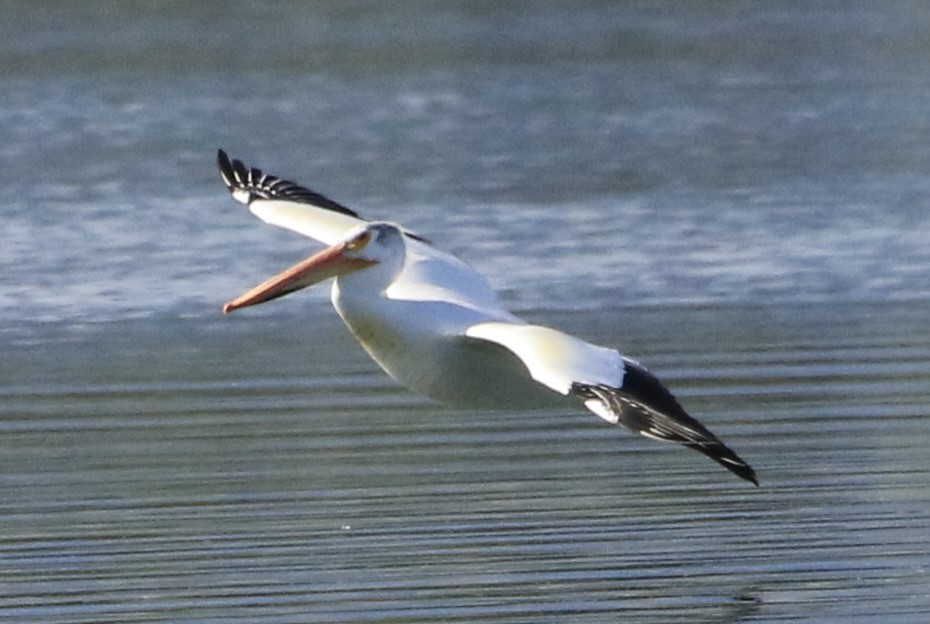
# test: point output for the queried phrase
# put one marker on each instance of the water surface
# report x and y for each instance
(733, 194)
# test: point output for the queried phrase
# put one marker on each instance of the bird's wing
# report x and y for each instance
(644, 405)
(286, 204)
(554, 358)
(429, 273)
(615, 388)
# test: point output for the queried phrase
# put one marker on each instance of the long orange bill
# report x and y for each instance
(330, 262)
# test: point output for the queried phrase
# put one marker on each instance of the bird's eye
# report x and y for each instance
(359, 241)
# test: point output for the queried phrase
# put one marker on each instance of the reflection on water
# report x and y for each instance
(259, 469)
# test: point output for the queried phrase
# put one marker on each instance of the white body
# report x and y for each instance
(435, 325)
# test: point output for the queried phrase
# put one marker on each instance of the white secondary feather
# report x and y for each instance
(326, 226)
(554, 358)
(603, 410)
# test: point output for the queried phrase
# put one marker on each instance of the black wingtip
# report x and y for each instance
(724, 455)
(746, 472)
(226, 169)
(645, 406)
(249, 183)
(666, 419)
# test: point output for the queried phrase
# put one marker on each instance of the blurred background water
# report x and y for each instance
(733, 193)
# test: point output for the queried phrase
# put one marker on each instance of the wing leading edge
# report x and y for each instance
(285, 204)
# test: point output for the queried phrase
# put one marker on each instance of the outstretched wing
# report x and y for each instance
(429, 273)
(644, 405)
(553, 358)
(286, 204)
(615, 388)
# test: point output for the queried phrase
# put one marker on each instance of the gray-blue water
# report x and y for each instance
(735, 194)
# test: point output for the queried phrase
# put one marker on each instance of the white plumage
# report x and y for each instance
(434, 324)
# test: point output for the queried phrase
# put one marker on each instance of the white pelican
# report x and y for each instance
(433, 323)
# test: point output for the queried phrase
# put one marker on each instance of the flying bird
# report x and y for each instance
(434, 324)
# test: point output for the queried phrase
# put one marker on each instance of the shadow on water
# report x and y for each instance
(264, 469)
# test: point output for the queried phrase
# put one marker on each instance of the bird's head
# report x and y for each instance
(369, 245)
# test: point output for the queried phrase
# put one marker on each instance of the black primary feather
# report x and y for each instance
(644, 405)
(259, 185)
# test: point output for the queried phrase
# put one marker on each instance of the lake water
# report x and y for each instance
(734, 194)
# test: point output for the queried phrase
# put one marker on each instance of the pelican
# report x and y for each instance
(434, 324)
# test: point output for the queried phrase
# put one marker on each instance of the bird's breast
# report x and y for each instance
(422, 345)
